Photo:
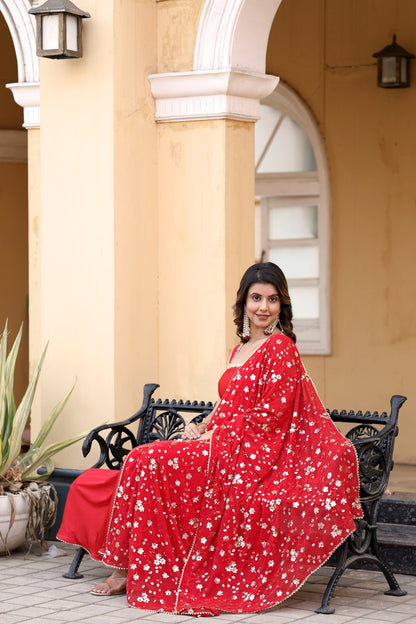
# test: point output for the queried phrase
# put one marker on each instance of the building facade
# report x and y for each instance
(141, 185)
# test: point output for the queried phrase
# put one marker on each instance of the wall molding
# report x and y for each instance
(27, 95)
(214, 94)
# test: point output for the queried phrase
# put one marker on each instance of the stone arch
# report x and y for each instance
(228, 78)
(23, 31)
(225, 28)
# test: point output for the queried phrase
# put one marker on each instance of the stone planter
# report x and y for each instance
(16, 534)
(34, 498)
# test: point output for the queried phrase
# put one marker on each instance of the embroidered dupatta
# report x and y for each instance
(277, 493)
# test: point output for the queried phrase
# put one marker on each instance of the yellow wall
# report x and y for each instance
(135, 204)
(13, 219)
(177, 29)
(76, 231)
(93, 265)
(324, 50)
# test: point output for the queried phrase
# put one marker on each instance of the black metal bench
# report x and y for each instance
(373, 436)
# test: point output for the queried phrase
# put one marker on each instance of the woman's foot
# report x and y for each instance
(114, 585)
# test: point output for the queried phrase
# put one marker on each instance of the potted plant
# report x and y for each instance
(27, 508)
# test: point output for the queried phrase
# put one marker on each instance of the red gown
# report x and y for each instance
(239, 523)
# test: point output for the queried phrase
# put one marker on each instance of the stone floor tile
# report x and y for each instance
(354, 592)
(293, 613)
(51, 582)
(353, 611)
(23, 600)
(129, 614)
(236, 617)
(316, 618)
(387, 616)
(31, 613)
(43, 620)
(370, 620)
(15, 570)
(403, 608)
(15, 580)
(9, 618)
(7, 607)
(85, 597)
(265, 618)
(111, 619)
(61, 605)
(67, 616)
(277, 619)
(17, 589)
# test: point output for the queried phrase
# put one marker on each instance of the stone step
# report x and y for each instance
(398, 546)
(396, 511)
(396, 534)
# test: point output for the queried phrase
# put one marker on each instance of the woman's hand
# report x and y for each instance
(194, 431)
(206, 437)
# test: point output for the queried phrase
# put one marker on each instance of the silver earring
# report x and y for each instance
(270, 328)
(280, 325)
(246, 326)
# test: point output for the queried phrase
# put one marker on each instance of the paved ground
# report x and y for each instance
(32, 590)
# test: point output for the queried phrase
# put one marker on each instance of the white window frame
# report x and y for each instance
(300, 188)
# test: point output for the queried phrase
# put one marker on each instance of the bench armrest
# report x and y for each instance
(111, 438)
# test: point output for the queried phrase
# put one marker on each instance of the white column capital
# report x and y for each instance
(27, 95)
(212, 94)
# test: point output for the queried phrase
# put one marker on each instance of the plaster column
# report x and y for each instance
(206, 196)
(98, 302)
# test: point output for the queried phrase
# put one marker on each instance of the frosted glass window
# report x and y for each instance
(297, 261)
(50, 32)
(292, 210)
(288, 222)
(289, 150)
(72, 33)
(305, 301)
(264, 129)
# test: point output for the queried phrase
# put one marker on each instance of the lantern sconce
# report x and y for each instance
(58, 29)
(393, 66)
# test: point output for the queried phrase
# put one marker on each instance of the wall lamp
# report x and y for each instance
(58, 29)
(393, 66)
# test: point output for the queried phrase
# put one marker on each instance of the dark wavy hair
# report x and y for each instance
(265, 273)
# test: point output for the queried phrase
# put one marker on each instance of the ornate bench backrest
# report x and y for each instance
(165, 420)
(373, 438)
(157, 420)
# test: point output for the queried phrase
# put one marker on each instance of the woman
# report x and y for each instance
(236, 515)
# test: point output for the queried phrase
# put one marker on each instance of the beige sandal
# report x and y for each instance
(116, 587)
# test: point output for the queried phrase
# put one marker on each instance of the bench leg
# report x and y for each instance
(342, 564)
(333, 581)
(395, 589)
(76, 561)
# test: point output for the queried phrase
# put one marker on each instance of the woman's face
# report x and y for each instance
(262, 305)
